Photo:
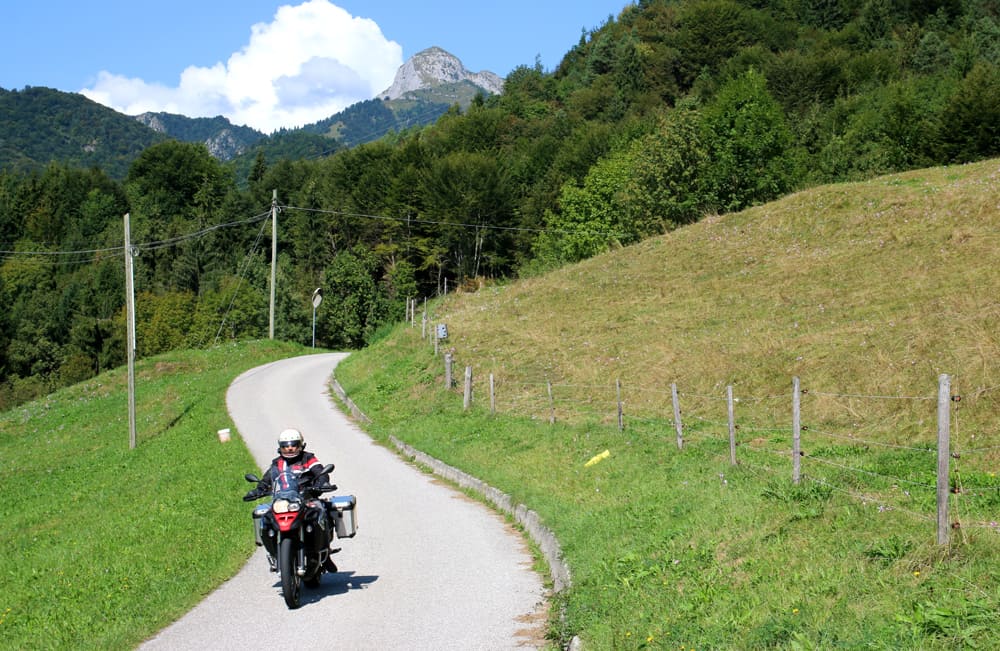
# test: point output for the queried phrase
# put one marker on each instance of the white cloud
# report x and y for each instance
(311, 61)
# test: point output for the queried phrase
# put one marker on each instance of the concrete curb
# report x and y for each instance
(524, 516)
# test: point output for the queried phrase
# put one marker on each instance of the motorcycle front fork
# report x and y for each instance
(300, 560)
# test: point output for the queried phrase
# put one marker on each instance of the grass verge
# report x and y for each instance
(679, 549)
(105, 545)
(867, 292)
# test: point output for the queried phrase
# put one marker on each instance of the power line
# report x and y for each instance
(410, 220)
(158, 244)
(146, 246)
(113, 253)
(112, 249)
(241, 274)
(149, 246)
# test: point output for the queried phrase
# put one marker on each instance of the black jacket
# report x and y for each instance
(303, 462)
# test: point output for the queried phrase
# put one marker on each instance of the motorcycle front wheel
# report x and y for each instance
(291, 583)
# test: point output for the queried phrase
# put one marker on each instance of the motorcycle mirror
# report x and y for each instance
(251, 477)
(328, 468)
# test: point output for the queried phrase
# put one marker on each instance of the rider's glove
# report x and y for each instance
(252, 495)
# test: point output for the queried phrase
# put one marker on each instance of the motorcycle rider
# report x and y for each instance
(291, 455)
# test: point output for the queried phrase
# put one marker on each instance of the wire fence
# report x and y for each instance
(825, 438)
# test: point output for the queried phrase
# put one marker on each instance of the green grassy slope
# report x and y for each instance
(867, 292)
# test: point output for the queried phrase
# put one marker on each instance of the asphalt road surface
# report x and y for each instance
(428, 569)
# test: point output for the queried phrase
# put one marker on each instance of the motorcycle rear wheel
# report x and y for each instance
(291, 583)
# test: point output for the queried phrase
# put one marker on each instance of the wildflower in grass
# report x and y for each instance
(795, 611)
(916, 573)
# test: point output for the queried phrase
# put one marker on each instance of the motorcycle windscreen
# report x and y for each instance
(285, 481)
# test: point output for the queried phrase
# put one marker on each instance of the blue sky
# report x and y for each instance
(270, 64)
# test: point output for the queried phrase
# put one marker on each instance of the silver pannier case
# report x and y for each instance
(259, 512)
(345, 517)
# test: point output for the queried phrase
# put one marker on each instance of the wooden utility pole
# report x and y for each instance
(274, 258)
(130, 326)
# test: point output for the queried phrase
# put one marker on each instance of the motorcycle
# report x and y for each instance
(298, 526)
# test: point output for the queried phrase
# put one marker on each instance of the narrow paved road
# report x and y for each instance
(428, 569)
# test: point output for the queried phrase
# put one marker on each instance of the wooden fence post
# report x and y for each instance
(943, 456)
(677, 416)
(493, 396)
(447, 370)
(732, 425)
(467, 396)
(552, 404)
(796, 429)
(621, 414)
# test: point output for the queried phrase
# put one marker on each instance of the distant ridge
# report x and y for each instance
(224, 140)
(424, 88)
(435, 67)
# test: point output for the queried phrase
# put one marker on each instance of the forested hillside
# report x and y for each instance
(43, 125)
(78, 131)
(671, 110)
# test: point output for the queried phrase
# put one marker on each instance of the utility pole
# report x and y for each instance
(130, 339)
(274, 257)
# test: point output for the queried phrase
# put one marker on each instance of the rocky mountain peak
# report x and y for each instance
(434, 67)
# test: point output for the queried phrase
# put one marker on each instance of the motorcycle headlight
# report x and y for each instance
(284, 506)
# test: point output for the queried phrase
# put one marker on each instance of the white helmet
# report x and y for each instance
(290, 443)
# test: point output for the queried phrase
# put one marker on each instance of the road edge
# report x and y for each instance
(541, 535)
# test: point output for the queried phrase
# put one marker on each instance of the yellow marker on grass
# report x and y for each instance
(598, 458)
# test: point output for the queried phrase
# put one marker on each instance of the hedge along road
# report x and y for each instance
(428, 569)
